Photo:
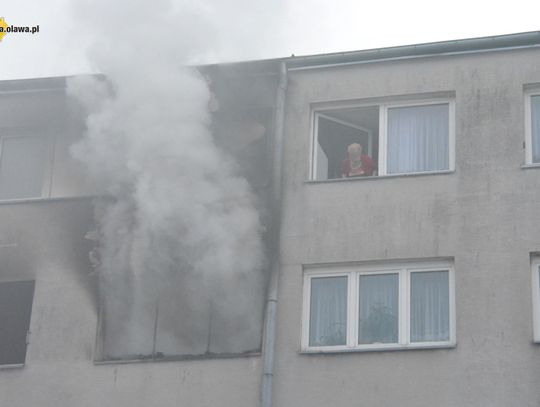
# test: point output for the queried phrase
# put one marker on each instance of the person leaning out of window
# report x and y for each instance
(358, 164)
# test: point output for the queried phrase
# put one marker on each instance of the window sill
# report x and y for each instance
(177, 358)
(46, 200)
(388, 176)
(391, 348)
(530, 166)
(12, 366)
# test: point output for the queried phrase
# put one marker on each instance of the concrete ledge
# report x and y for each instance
(13, 366)
(179, 358)
(530, 166)
(48, 200)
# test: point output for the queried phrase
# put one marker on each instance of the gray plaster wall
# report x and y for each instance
(485, 215)
(45, 241)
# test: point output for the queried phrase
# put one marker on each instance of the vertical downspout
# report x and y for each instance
(272, 294)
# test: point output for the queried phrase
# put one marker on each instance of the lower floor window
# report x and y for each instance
(379, 306)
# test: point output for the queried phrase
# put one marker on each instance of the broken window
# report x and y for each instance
(186, 289)
(183, 317)
(15, 310)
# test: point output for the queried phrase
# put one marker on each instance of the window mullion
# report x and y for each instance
(536, 299)
(382, 140)
(404, 310)
(315, 142)
(451, 135)
(529, 159)
(452, 305)
(306, 312)
(352, 311)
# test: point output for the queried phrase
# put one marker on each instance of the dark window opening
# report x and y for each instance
(15, 310)
(336, 131)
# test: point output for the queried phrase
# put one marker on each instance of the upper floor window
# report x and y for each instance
(23, 166)
(383, 139)
(532, 126)
(15, 309)
(389, 306)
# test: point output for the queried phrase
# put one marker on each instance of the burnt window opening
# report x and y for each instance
(245, 134)
(185, 314)
(189, 319)
(15, 310)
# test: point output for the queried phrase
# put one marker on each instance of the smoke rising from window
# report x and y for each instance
(179, 248)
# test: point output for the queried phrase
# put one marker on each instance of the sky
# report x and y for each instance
(300, 27)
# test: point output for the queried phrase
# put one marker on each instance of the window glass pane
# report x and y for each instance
(418, 138)
(328, 319)
(535, 129)
(378, 309)
(430, 312)
(15, 310)
(22, 162)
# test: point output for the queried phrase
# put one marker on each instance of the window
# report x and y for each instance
(532, 126)
(390, 306)
(395, 138)
(15, 309)
(23, 162)
(535, 267)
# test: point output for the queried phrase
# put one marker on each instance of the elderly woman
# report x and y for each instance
(358, 164)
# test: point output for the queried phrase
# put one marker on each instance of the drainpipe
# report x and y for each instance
(272, 294)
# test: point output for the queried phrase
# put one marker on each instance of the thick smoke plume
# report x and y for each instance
(179, 254)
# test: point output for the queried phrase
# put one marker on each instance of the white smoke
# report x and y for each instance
(180, 236)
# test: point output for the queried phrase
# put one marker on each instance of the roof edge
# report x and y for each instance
(470, 45)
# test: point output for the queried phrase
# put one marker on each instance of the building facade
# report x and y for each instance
(414, 284)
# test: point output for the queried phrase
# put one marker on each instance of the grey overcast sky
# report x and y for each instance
(306, 27)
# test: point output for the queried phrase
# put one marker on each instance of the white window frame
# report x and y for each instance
(528, 125)
(535, 271)
(383, 127)
(404, 271)
(345, 123)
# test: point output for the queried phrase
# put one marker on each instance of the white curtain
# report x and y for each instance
(378, 309)
(328, 309)
(417, 139)
(430, 314)
(535, 129)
